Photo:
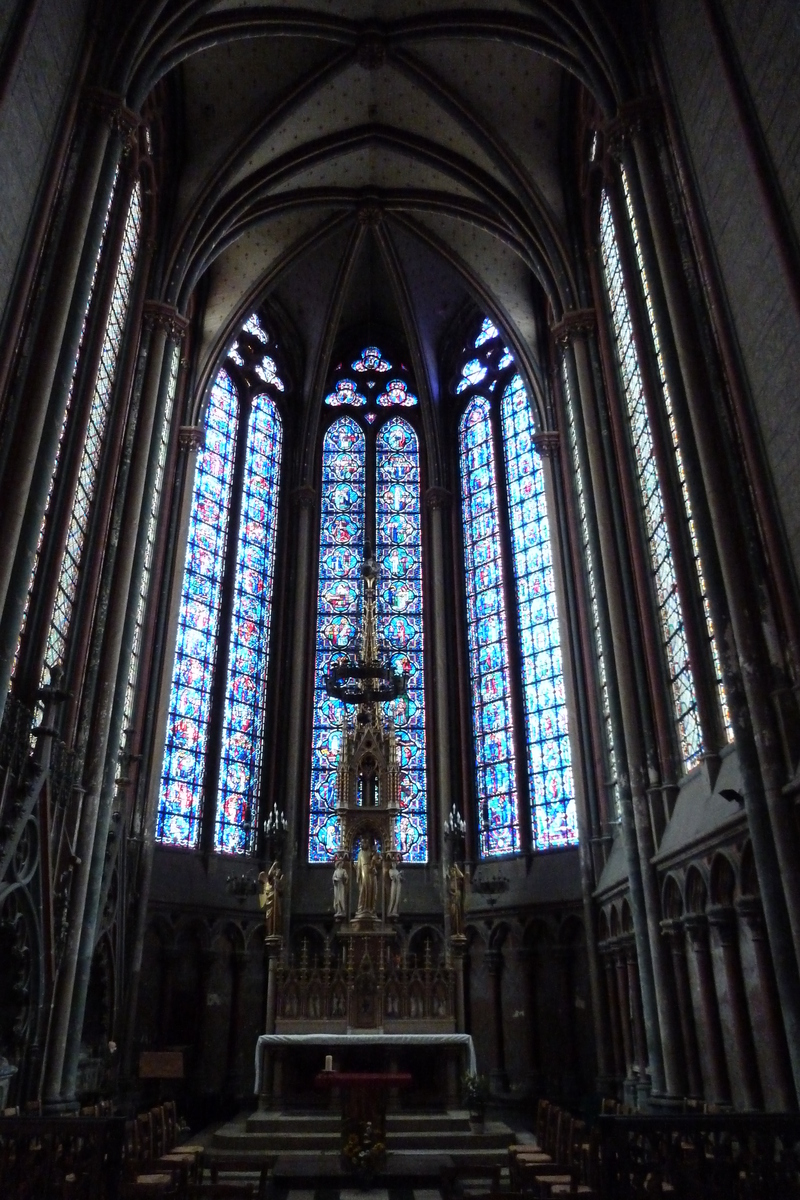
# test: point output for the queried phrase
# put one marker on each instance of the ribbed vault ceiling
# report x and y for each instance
(372, 162)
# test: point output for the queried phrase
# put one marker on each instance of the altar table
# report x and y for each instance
(333, 1041)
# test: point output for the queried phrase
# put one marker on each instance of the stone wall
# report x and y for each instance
(29, 120)
(767, 40)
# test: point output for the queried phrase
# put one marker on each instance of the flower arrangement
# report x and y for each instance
(475, 1090)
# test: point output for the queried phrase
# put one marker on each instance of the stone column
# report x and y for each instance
(637, 1021)
(303, 499)
(164, 322)
(26, 482)
(634, 813)
(742, 1065)
(190, 440)
(266, 1097)
(239, 961)
(459, 946)
(613, 1012)
(673, 931)
(623, 1006)
(437, 499)
(765, 1012)
(715, 1072)
(772, 826)
(493, 962)
(528, 959)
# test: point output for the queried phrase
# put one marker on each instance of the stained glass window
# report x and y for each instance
(495, 770)
(95, 436)
(506, 359)
(346, 392)
(396, 393)
(668, 599)
(65, 422)
(399, 603)
(488, 332)
(196, 651)
(268, 371)
(254, 326)
(687, 503)
(371, 359)
(243, 722)
(552, 793)
(338, 614)
(473, 372)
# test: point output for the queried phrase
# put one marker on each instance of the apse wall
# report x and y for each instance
(39, 86)
(766, 320)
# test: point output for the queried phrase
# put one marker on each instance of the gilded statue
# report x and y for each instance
(270, 887)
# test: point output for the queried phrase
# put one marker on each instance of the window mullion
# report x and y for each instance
(219, 686)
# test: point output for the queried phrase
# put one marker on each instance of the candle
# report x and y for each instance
(328, 1062)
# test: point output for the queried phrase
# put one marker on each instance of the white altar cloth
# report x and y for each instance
(333, 1040)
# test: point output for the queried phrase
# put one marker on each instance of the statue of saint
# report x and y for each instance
(455, 890)
(367, 876)
(270, 886)
(395, 886)
(340, 887)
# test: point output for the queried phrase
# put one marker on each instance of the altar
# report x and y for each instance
(278, 1053)
(367, 999)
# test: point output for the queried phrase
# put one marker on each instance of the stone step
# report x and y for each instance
(312, 1134)
(402, 1122)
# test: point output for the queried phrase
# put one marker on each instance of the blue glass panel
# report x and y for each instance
(552, 792)
(496, 786)
(243, 722)
(268, 371)
(346, 392)
(666, 585)
(488, 332)
(472, 373)
(254, 326)
(195, 654)
(396, 393)
(341, 547)
(371, 359)
(399, 553)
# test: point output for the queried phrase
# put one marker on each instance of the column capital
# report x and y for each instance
(191, 437)
(631, 118)
(493, 960)
(696, 926)
(672, 929)
(113, 109)
(751, 911)
(164, 316)
(304, 497)
(722, 917)
(576, 322)
(438, 497)
(547, 443)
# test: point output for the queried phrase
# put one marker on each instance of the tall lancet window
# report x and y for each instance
(516, 670)
(370, 443)
(80, 478)
(220, 672)
(670, 611)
